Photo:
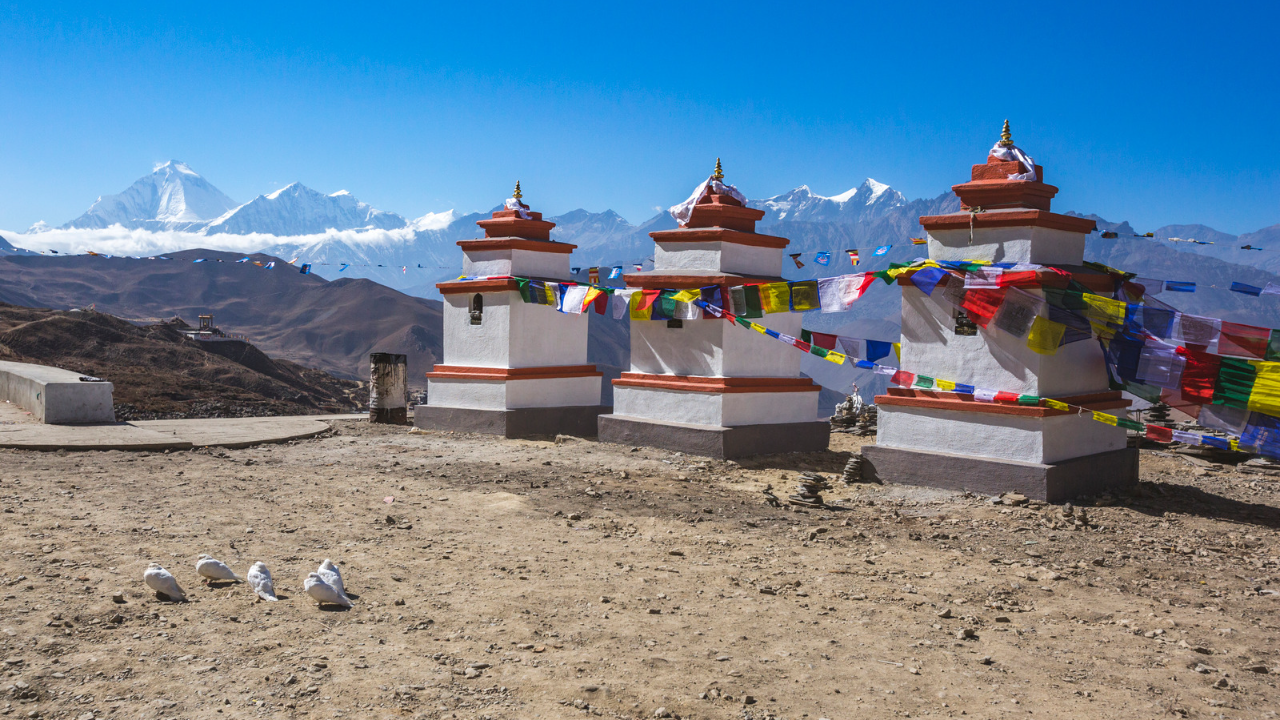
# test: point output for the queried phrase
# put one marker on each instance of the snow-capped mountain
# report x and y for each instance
(869, 200)
(172, 197)
(298, 210)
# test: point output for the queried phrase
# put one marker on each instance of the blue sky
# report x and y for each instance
(1154, 113)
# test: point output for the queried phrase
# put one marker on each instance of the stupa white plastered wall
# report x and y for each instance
(993, 358)
(715, 409)
(1043, 246)
(514, 394)
(1003, 437)
(718, 256)
(512, 334)
(516, 262)
(714, 348)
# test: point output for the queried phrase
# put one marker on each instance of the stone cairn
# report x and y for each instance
(810, 492)
(867, 422)
(847, 413)
(852, 470)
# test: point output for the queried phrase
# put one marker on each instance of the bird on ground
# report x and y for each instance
(330, 574)
(212, 569)
(259, 578)
(163, 582)
(322, 592)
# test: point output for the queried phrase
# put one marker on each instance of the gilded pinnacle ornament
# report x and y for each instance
(1006, 137)
(719, 173)
(517, 194)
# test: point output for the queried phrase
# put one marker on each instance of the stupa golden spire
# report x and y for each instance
(719, 173)
(1006, 137)
(517, 194)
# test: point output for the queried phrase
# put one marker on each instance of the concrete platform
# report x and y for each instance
(1055, 482)
(516, 423)
(55, 396)
(722, 443)
(162, 434)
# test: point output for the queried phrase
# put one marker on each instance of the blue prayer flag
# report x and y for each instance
(1179, 286)
(305, 269)
(927, 279)
(882, 250)
(877, 349)
(615, 273)
(824, 258)
(1246, 289)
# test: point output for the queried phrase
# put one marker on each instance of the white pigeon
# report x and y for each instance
(259, 578)
(162, 581)
(322, 592)
(329, 573)
(214, 569)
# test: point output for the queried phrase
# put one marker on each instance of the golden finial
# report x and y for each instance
(517, 194)
(719, 173)
(1006, 137)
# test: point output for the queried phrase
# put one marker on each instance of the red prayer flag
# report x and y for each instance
(1159, 434)
(981, 304)
(902, 378)
(1199, 376)
(803, 345)
(1245, 340)
(1019, 278)
(823, 340)
(1006, 397)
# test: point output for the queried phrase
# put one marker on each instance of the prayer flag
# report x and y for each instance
(575, 299)
(882, 250)
(1271, 289)
(639, 267)
(593, 275)
(834, 357)
(270, 265)
(1158, 321)
(1018, 313)
(775, 297)
(1057, 405)
(823, 258)
(837, 294)
(982, 395)
(1159, 433)
(1104, 418)
(760, 328)
(305, 269)
(1129, 424)
(641, 305)
(986, 277)
(1160, 365)
(1028, 399)
(685, 296)
(1273, 346)
(926, 279)
(1179, 286)
(1244, 340)
(1196, 330)
(1108, 234)
(885, 370)
(1006, 397)
(1199, 375)
(1185, 437)
(572, 271)
(1216, 442)
(923, 381)
(919, 241)
(243, 259)
(965, 389)
(945, 384)
(795, 258)
(804, 295)
(1246, 289)
(897, 351)
(865, 365)
(877, 349)
(822, 340)
(1264, 397)
(744, 300)
(344, 267)
(199, 260)
(902, 378)
(851, 345)
(853, 257)
(615, 273)
(981, 305)
(1045, 336)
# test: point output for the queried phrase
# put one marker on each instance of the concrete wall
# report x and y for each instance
(483, 345)
(55, 396)
(513, 394)
(715, 409)
(1004, 437)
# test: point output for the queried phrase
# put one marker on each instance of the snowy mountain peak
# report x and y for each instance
(296, 209)
(173, 196)
(870, 199)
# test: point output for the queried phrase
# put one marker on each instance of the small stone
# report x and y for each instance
(986, 660)
(117, 598)
(748, 699)
(766, 590)
(1014, 499)
(1205, 669)
(575, 516)
(471, 673)
(945, 613)
(722, 658)
(662, 713)
(1002, 618)
(1257, 668)
(965, 634)
(1225, 684)
(655, 611)
(399, 601)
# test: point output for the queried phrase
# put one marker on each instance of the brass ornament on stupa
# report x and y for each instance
(1006, 137)
(719, 173)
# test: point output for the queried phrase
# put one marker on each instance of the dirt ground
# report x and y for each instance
(528, 579)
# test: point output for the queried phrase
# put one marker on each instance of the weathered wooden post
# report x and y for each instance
(388, 379)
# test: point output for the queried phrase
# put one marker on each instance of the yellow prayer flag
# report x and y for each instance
(1056, 405)
(897, 351)
(592, 294)
(685, 296)
(1265, 396)
(1235, 444)
(758, 328)
(1105, 418)
(945, 384)
(1103, 309)
(835, 357)
(637, 309)
(1045, 336)
(895, 272)
(775, 297)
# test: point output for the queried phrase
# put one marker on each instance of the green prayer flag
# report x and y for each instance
(815, 350)
(524, 289)
(1235, 382)
(1273, 346)
(1129, 424)
(1028, 399)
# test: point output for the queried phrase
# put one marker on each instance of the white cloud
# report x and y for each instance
(117, 240)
